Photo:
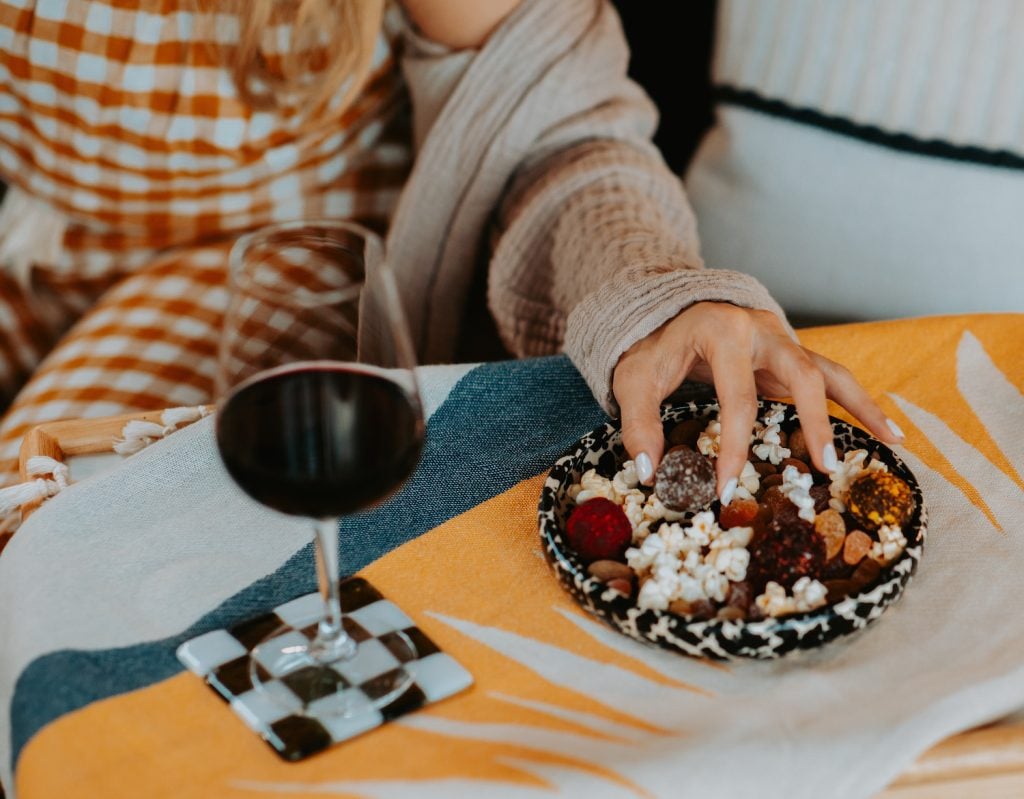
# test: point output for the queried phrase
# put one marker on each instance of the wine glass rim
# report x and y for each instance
(241, 278)
(327, 364)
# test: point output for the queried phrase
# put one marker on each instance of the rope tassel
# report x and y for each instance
(13, 497)
(136, 435)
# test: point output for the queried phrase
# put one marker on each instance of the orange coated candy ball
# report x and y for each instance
(878, 498)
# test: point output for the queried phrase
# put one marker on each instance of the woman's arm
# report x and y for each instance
(458, 24)
(595, 247)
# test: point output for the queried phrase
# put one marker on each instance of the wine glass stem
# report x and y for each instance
(332, 642)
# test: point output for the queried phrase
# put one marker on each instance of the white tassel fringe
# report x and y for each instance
(137, 435)
(13, 497)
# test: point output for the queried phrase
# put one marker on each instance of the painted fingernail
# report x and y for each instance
(895, 429)
(729, 491)
(829, 457)
(644, 468)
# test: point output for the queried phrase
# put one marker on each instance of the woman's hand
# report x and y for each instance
(743, 353)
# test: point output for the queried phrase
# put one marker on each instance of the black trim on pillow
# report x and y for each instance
(936, 148)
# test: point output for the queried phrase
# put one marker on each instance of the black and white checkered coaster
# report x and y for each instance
(222, 658)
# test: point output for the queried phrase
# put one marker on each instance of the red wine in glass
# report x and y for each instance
(321, 440)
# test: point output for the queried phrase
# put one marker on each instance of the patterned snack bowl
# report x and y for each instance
(718, 639)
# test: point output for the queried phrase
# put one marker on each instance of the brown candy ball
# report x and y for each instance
(685, 480)
(687, 432)
(878, 498)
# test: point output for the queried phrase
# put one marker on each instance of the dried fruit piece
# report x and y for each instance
(830, 526)
(599, 530)
(608, 570)
(798, 446)
(624, 587)
(866, 573)
(685, 480)
(857, 545)
(878, 498)
(730, 613)
(839, 589)
(686, 432)
(738, 513)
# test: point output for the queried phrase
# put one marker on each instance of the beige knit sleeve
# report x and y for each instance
(596, 249)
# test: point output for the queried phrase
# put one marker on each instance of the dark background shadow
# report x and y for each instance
(671, 59)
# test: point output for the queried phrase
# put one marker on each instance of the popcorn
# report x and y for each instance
(709, 441)
(633, 507)
(771, 449)
(653, 594)
(641, 559)
(730, 561)
(690, 588)
(702, 527)
(774, 601)
(891, 542)
(796, 486)
(734, 537)
(677, 538)
(626, 479)
(655, 510)
(593, 485)
(749, 482)
(808, 594)
(776, 413)
(671, 559)
(714, 583)
(851, 467)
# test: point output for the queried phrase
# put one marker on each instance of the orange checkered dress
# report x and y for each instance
(119, 122)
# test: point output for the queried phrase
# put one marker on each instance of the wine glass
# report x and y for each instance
(320, 417)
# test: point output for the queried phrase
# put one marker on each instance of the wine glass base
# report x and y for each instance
(285, 669)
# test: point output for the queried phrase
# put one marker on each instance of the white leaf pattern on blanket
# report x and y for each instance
(654, 755)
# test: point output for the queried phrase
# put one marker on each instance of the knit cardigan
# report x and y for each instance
(538, 147)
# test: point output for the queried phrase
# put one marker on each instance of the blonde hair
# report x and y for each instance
(332, 44)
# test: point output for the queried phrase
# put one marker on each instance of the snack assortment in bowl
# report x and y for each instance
(796, 559)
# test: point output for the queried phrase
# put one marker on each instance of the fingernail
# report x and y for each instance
(644, 468)
(829, 457)
(729, 490)
(895, 429)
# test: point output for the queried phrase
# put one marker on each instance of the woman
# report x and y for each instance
(141, 139)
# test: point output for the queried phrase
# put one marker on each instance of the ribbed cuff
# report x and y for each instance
(634, 304)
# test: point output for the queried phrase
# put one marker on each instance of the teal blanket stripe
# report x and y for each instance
(501, 423)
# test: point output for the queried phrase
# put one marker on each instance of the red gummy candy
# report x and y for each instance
(599, 530)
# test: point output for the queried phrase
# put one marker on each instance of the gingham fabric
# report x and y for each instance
(119, 118)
